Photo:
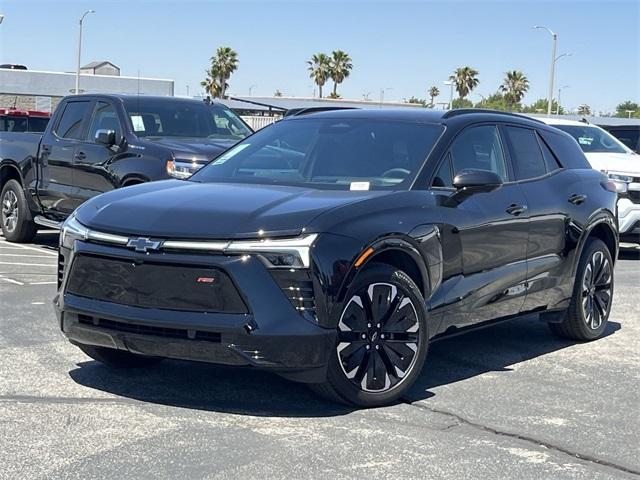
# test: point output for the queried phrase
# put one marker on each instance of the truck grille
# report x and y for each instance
(154, 285)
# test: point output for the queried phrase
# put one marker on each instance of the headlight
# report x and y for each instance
(286, 253)
(621, 181)
(182, 168)
(72, 230)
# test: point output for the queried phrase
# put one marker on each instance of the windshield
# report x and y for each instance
(345, 153)
(189, 119)
(592, 139)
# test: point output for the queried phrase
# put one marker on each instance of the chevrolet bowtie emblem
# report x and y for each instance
(143, 245)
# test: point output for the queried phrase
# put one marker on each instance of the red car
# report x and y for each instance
(14, 120)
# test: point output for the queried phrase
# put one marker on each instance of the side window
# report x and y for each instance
(479, 148)
(70, 124)
(444, 178)
(565, 148)
(104, 117)
(525, 153)
(549, 158)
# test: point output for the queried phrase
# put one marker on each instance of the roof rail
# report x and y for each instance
(296, 112)
(464, 111)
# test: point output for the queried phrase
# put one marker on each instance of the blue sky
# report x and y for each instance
(407, 46)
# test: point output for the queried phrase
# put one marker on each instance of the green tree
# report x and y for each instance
(584, 109)
(223, 64)
(211, 83)
(334, 95)
(514, 86)
(461, 103)
(433, 93)
(341, 66)
(496, 101)
(277, 93)
(420, 101)
(622, 110)
(320, 69)
(465, 80)
(540, 106)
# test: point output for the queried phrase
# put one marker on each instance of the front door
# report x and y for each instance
(485, 237)
(91, 174)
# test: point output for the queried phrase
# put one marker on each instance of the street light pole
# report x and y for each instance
(80, 50)
(559, 97)
(382, 90)
(554, 37)
(450, 83)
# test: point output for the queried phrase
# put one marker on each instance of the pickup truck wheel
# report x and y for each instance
(588, 313)
(119, 358)
(16, 219)
(381, 340)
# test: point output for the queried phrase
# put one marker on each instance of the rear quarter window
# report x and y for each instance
(565, 148)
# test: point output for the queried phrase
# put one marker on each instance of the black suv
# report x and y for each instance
(332, 247)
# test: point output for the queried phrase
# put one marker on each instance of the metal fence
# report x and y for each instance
(257, 121)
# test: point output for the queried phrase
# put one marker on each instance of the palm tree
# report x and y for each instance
(465, 80)
(584, 109)
(514, 86)
(340, 68)
(433, 93)
(320, 69)
(223, 64)
(210, 83)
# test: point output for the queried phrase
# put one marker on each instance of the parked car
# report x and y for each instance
(627, 134)
(332, 248)
(14, 120)
(95, 143)
(607, 154)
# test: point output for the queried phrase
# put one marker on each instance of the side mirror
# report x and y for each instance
(469, 182)
(106, 137)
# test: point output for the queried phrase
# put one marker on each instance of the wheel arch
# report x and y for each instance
(603, 226)
(397, 252)
(10, 171)
(133, 179)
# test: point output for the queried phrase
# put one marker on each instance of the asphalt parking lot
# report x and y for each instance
(510, 401)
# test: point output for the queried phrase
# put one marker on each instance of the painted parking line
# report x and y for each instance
(19, 264)
(17, 246)
(11, 280)
(22, 255)
(43, 283)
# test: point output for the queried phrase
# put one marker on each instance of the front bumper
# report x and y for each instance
(272, 335)
(628, 217)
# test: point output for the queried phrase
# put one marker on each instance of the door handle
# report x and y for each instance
(577, 199)
(81, 155)
(515, 209)
(45, 149)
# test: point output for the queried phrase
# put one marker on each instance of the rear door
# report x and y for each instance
(491, 230)
(91, 174)
(555, 199)
(56, 188)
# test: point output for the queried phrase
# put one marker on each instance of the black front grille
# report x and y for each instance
(298, 288)
(154, 285)
(634, 195)
(154, 331)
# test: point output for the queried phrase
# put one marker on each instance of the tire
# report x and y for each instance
(119, 358)
(16, 218)
(588, 313)
(386, 307)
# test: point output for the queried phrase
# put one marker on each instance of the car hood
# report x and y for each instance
(190, 210)
(615, 162)
(200, 147)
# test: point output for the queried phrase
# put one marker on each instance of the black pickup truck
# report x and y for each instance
(95, 143)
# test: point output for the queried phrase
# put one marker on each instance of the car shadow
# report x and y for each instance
(629, 253)
(250, 392)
